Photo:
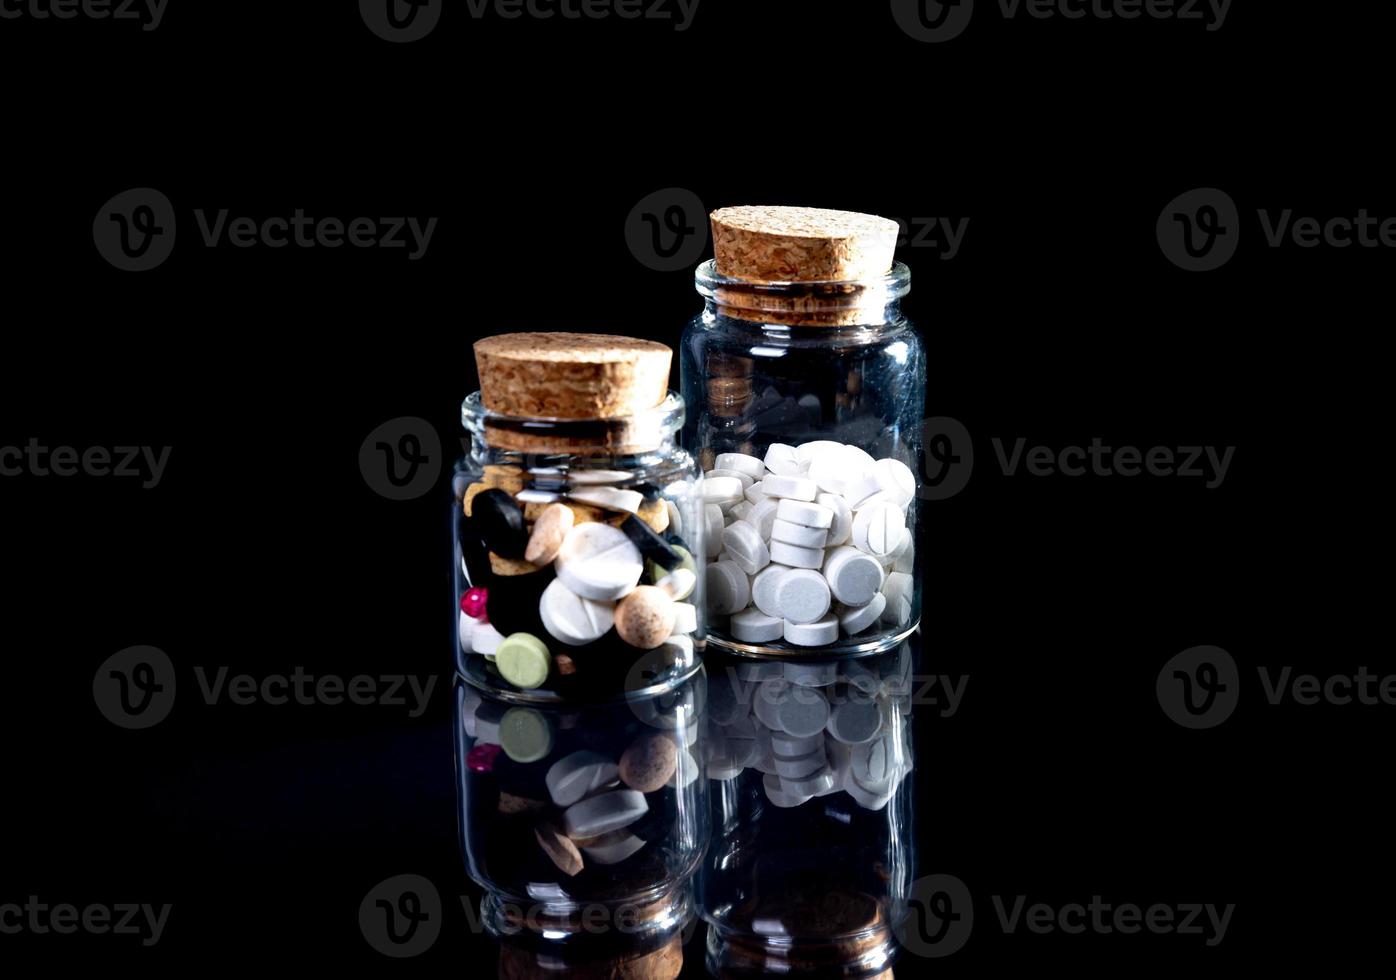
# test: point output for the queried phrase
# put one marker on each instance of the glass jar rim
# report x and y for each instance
(894, 285)
(666, 417)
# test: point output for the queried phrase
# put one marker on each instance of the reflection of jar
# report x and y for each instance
(805, 388)
(584, 825)
(579, 538)
(812, 853)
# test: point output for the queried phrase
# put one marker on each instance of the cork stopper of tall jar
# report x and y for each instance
(838, 250)
(574, 377)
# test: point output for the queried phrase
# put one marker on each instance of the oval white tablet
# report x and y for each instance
(579, 774)
(609, 498)
(764, 586)
(842, 526)
(802, 596)
(572, 619)
(797, 487)
(783, 460)
(795, 556)
(754, 626)
(722, 490)
(604, 812)
(728, 589)
(744, 545)
(740, 462)
(815, 634)
(854, 619)
(877, 529)
(853, 576)
(804, 512)
(598, 561)
(860, 488)
(798, 534)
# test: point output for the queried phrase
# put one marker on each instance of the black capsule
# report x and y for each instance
(500, 521)
(651, 545)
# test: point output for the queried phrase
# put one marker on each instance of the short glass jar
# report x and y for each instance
(820, 385)
(583, 824)
(812, 856)
(626, 475)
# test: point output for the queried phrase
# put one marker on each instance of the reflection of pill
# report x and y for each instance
(648, 762)
(811, 675)
(525, 735)
(800, 765)
(754, 626)
(604, 812)
(767, 699)
(575, 776)
(818, 782)
(854, 722)
(804, 711)
(793, 746)
(612, 848)
(559, 849)
(776, 793)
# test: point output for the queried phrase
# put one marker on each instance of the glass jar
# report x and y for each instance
(821, 384)
(584, 825)
(812, 855)
(626, 474)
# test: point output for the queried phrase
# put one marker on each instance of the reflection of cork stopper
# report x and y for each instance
(571, 375)
(778, 244)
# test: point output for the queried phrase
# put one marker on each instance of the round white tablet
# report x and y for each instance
(573, 619)
(797, 534)
(713, 523)
(744, 545)
(860, 488)
(740, 462)
(815, 634)
(764, 588)
(754, 626)
(854, 619)
(865, 799)
(805, 513)
(897, 478)
(898, 590)
(805, 711)
(877, 529)
(783, 460)
(795, 556)
(728, 588)
(855, 722)
(853, 577)
(842, 527)
(798, 487)
(763, 516)
(598, 561)
(802, 596)
(722, 490)
(766, 700)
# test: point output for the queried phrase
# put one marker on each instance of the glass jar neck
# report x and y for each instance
(860, 303)
(495, 437)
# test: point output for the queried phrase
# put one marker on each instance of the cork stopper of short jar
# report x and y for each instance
(572, 376)
(787, 244)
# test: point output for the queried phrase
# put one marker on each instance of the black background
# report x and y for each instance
(1060, 320)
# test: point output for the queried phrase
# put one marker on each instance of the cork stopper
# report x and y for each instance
(571, 375)
(781, 244)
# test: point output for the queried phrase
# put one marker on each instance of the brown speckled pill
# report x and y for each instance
(548, 533)
(559, 848)
(648, 762)
(645, 617)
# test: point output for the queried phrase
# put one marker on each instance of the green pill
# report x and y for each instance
(523, 659)
(657, 571)
(525, 735)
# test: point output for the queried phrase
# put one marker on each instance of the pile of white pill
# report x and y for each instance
(812, 730)
(808, 544)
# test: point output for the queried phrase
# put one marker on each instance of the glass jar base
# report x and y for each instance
(865, 956)
(846, 649)
(591, 928)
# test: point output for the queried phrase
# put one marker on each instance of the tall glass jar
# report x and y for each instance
(806, 387)
(578, 541)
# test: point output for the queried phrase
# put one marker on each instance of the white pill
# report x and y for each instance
(795, 556)
(486, 639)
(578, 775)
(572, 619)
(744, 479)
(612, 848)
(722, 490)
(764, 589)
(742, 463)
(899, 591)
(853, 577)
(858, 458)
(794, 768)
(796, 746)
(811, 675)
(805, 513)
(784, 460)
(815, 634)
(713, 523)
(609, 498)
(897, 478)
(679, 583)
(865, 799)
(763, 516)
(722, 771)
(598, 561)
(743, 751)
(777, 794)
(675, 518)
(744, 545)
(854, 619)
(767, 698)
(755, 494)
(758, 670)
(815, 784)
(804, 711)
(798, 487)
(904, 558)
(877, 529)
(802, 596)
(604, 812)
(685, 617)
(855, 722)
(873, 765)
(831, 472)
(754, 626)
(728, 589)
(859, 488)
(818, 447)
(465, 629)
(842, 527)
(798, 534)
(740, 511)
